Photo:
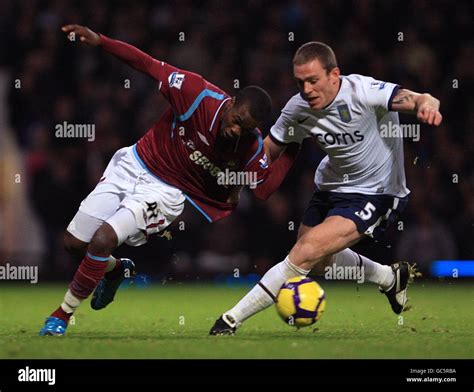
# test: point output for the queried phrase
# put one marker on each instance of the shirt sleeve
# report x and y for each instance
(258, 162)
(276, 173)
(378, 94)
(286, 130)
(182, 89)
(179, 87)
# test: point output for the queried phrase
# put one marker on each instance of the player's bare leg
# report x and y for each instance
(90, 272)
(75, 247)
(331, 236)
(392, 280)
(314, 252)
(77, 250)
(316, 247)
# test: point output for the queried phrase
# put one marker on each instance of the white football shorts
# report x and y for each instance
(129, 198)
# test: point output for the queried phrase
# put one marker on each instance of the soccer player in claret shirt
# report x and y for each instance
(203, 134)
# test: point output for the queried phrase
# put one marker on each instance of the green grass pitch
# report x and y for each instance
(173, 320)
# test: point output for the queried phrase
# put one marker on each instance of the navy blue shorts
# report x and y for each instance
(372, 214)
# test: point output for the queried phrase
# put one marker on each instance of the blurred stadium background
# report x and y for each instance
(44, 178)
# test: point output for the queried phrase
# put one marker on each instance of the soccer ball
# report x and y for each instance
(301, 301)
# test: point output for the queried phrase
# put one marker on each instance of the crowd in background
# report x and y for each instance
(421, 45)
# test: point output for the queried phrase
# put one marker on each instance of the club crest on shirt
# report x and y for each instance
(344, 113)
(264, 162)
(176, 80)
(378, 85)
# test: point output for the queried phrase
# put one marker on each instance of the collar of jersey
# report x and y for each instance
(329, 105)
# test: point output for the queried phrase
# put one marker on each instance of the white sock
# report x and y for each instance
(263, 294)
(110, 264)
(372, 271)
(71, 302)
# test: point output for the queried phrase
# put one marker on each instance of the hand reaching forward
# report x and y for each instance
(85, 35)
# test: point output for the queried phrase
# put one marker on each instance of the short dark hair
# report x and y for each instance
(316, 50)
(258, 101)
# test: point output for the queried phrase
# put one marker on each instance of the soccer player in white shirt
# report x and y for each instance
(360, 184)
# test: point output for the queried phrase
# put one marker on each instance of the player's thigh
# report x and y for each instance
(94, 210)
(103, 202)
(74, 246)
(333, 235)
(356, 216)
(318, 207)
(150, 209)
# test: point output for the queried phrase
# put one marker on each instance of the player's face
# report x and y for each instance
(317, 86)
(236, 121)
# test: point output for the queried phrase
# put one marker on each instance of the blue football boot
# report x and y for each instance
(105, 291)
(53, 326)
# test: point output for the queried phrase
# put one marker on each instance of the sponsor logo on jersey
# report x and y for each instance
(200, 159)
(343, 138)
(378, 85)
(176, 80)
(344, 113)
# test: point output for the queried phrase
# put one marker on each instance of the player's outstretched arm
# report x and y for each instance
(272, 149)
(85, 35)
(425, 106)
(281, 161)
(123, 51)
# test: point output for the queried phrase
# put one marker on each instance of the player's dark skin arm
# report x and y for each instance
(128, 53)
(272, 149)
(85, 35)
(281, 159)
(278, 167)
(424, 106)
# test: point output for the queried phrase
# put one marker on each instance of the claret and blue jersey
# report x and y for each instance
(183, 148)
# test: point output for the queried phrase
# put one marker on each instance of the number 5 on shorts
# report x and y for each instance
(366, 213)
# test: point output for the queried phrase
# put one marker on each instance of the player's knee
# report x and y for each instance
(74, 246)
(104, 240)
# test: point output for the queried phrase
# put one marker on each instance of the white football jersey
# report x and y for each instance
(359, 159)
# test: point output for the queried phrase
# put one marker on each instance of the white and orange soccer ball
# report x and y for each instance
(300, 302)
